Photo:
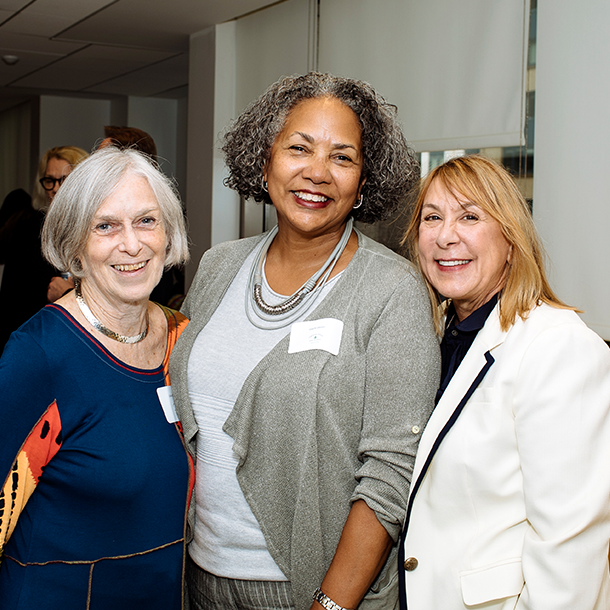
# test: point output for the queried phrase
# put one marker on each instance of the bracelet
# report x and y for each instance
(325, 601)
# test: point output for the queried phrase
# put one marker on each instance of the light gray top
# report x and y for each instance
(227, 540)
(314, 431)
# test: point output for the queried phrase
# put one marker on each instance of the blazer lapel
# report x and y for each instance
(467, 378)
(465, 381)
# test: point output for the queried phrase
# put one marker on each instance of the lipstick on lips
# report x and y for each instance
(448, 264)
(311, 200)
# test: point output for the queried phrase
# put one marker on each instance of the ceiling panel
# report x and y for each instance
(168, 24)
(90, 66)
(28, 62)
(50, 17)
(152, 80)
(37, 24)
(12, 5)
(11, 42)
(122, 47)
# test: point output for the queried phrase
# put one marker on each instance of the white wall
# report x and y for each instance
(200, 145)
(454, 69)
(15, 142)
(571, 176)
(72, 121)
(225, 202)
(271, 43)
(159, 118)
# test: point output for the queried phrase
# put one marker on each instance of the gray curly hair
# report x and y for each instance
(390, 165)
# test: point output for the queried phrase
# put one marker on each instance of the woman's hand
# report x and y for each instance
(58, 287)
(361, 553)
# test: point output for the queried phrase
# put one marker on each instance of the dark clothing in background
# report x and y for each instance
(26, 274)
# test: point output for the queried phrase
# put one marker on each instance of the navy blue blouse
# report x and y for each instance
(458, 338)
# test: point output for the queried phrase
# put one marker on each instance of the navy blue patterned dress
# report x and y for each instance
(96, 482)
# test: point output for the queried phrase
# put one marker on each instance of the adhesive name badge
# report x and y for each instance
(166, 399)
(324, 334)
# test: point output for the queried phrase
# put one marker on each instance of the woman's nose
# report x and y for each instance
(317, 170)
(53, 191)
(447, 234)
(131, 241)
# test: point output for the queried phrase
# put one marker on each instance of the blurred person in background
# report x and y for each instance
(26, 274)
(129, 137)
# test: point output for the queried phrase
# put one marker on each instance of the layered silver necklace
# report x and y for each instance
(267, 316)
(100, 327)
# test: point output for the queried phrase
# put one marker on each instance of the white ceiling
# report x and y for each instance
(110, 47)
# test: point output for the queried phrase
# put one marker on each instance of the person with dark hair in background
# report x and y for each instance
(16, 201)
(129, 137)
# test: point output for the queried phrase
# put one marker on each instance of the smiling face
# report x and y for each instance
(58, 169)
(125, 253)
(315, 167)
(462, 250)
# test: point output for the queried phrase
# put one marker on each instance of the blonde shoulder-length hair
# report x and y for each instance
(489, 186)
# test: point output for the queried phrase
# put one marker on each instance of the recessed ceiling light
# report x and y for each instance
(10, 60)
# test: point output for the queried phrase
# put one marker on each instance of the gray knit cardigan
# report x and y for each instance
(314, 431)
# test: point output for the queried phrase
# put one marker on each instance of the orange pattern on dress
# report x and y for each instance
(43, 442)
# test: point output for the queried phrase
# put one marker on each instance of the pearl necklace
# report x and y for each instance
(298, 303)
(100, 327)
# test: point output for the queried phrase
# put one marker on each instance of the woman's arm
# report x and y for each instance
(41, 444)
(562, 419)
(30, 428)
(362, 551)
(402, 372)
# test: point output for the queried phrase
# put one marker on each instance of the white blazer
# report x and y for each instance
(510, 501)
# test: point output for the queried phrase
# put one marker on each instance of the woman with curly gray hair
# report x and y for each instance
(310, 365)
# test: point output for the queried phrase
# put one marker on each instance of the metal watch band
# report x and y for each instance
(325, 601)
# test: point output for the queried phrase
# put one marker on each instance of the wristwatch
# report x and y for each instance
(325, 601)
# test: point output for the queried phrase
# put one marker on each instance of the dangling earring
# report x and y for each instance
(264, 185)
(356, 206)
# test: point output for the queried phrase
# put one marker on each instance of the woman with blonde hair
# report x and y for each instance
(27, 275)
(510, 502)
(54, 167)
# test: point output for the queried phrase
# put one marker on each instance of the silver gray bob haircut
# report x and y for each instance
(69, 220)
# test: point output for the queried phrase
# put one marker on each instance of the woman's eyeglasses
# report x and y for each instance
(48, 183)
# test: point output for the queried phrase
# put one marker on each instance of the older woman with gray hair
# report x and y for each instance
(96, 478)
(310, 365)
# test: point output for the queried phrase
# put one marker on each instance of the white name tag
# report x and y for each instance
(167, 403)
(324, 334)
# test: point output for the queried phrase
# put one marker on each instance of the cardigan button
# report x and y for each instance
(411, 563)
